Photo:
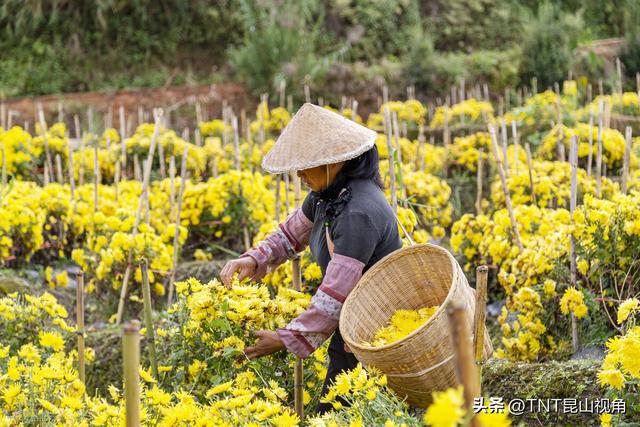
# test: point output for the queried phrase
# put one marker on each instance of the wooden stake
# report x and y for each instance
(59, 176)
(481, 304)
(505, 143)
(131, 365)
(573, 159)
(286, 194)
(43, 125)
(575, 339)
(466, 369)
(172, 185)
(176, 236)
(479, 175)
(72, 180)
(145, 184)
(96, 176)
(392, 175)
(116, 178)
(307, 93)
(283, 85)
(590, 155)
(198, 137)
(619, 73)
(236, 143)
(530, 167)
(420, 150)
(80, 323)
(148, 318)
(4, 170)
(123, 146)
(505, 188)
(277, 213)
(163, 171)
(296, 282)
(396, 133)
(137, 174)
(599, 152)
(627, 156)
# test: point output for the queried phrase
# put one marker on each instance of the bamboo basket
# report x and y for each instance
(410, 278)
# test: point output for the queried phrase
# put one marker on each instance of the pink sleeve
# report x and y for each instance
(291, 237)
(311, 328)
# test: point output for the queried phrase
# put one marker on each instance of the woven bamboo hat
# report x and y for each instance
(316, 136)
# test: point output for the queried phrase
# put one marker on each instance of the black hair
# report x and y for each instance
(365, 166)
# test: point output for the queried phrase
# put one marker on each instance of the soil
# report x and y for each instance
(103, 107)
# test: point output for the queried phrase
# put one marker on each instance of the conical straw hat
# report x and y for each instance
(316, 136)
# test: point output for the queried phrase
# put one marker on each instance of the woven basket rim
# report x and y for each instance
(379, 264)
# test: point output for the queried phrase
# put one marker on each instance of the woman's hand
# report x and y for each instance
(268, 342)
(245, 267)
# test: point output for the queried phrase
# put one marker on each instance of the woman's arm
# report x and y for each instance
(291, 237)
(354, 239)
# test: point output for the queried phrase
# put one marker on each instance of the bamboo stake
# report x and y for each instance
(123, 146)
(516, 144)
(4, 169)
(147, 206)
(145, 183)
(505, 143)
(59, 169)
(392, 175)
(172, 184)
(3, 116)
(131, 364)
(530, 167)
(43, 125)
(590, 155)
(198, 114)
(354, 110)
(619, 74)
(600, 87)
(176, 240)
(277, 213)
(80, 323)
(96, 176)
(466, 369)
(446, 135)
(72, 181)
(163, 172)
(148, 318)
(505, 188)
(560, 143)
(198, 137)
(599, 152)
(296, 282)
(479, 175)
(283, 85)
(573, 158)
(627, 156)
(420, 153)
(589, 93)
(398, 149)
(236, 143)
(137, 174)
(307, 93)
(116, 179)
(286, 194)
(45, 179)
(481, 304)
(290, 102)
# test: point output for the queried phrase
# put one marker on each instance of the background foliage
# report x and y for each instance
(53, 46)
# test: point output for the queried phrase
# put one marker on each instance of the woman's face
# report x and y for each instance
(316, 178)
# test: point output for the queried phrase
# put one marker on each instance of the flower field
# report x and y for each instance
(496, 188)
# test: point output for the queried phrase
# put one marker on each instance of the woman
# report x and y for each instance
(345, 219)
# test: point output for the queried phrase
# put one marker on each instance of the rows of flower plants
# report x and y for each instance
(227, 200)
